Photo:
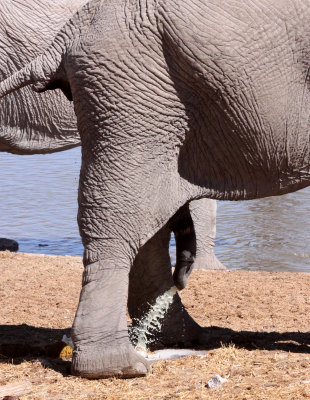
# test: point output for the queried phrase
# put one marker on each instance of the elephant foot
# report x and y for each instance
(189, 335)
(207, 262)
(120, 361)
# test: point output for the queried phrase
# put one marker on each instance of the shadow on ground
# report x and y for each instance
(23, 340)
(18, 341)
(294, 342)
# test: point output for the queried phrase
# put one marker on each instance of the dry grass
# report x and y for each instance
(259, 340)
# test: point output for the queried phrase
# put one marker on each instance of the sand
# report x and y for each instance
(258, 324)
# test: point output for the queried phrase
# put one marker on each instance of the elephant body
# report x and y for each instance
(44, 123)
(32, 123)
(175, 100)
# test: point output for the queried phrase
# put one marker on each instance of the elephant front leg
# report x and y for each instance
(101, 345)
(100, 336)
(151, 277)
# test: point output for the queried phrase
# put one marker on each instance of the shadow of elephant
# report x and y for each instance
(19, 343)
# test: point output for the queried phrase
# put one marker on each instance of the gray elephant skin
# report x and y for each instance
(32, 123)
(44, 123)
(175, 101)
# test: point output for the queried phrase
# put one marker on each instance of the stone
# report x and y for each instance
(216, 382)
(8, 244)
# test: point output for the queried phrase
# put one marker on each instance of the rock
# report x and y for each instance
(216, 382)
(8, 244)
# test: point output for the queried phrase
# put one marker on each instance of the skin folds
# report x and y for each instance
(175, 101)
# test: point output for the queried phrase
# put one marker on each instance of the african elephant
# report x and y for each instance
(46, 123)
(176, 100)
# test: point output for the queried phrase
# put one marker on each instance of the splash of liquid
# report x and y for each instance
(141, 334)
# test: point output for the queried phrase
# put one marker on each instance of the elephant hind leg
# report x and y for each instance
(150, 277)
(102, 348)
(203, 214)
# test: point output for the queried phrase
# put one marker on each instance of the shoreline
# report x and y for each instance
(80, 258)
(6, 252)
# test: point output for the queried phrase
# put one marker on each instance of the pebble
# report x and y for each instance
(216, 382)
(270, 384)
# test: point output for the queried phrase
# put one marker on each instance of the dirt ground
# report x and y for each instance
(258, 324)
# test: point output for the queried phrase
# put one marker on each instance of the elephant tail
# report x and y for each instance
(39, 73)
(47, 70)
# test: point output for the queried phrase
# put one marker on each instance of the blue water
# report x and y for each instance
(38, 207)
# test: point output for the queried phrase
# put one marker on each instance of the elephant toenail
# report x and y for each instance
(141, 368)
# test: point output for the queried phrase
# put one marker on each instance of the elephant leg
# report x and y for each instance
(203, 215)
(101, 344)
(100, 335)
(150, 277)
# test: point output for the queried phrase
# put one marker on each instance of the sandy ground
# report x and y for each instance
(258, 324)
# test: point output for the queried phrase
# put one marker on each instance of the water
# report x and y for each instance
(38, 202)
(173, 354)
(38, 207)
(271, 234)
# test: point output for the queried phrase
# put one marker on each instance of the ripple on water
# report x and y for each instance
(38, 205)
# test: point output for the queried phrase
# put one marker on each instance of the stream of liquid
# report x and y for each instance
(142, 334)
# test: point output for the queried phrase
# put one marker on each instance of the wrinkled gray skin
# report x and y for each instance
(44, 123)
(32, 123)
(175, 100)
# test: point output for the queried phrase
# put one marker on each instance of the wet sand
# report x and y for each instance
(258, 324)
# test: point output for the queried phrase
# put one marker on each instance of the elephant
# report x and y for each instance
(44, 123)
(26, 28)
(176, 101)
